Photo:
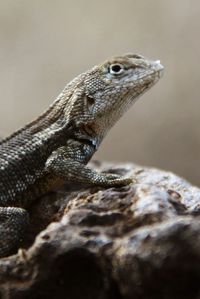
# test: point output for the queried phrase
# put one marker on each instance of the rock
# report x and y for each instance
(139, 241)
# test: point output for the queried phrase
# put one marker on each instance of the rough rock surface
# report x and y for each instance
(139, 241)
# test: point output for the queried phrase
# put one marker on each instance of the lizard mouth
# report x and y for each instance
(155, 75)
(149, 80)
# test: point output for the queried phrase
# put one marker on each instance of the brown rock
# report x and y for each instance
(139, 241)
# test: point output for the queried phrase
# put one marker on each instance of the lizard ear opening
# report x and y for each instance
(89, 102)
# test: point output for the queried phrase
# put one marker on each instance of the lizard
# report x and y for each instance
(57, 145)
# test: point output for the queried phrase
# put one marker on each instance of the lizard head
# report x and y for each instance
(113, 86)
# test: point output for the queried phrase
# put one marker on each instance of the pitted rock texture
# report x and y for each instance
(139, 241)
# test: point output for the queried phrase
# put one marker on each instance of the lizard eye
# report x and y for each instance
(116, 69)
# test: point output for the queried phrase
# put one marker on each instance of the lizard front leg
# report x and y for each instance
(13, 222)
(69, 163)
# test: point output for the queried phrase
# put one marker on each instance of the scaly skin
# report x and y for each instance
(57, 146)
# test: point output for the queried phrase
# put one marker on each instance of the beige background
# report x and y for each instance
(44, 44)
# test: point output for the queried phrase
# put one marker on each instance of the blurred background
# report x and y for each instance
(44, 44)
